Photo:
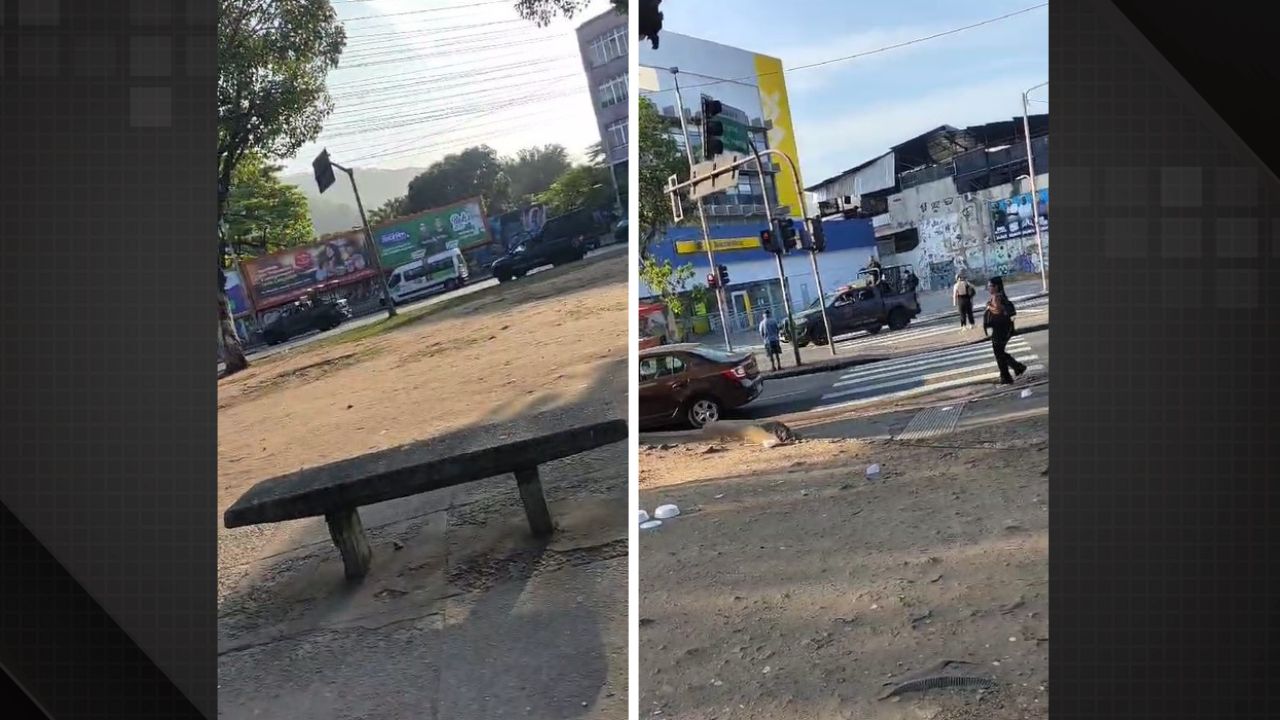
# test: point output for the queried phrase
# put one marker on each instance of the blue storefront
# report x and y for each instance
(753, 273)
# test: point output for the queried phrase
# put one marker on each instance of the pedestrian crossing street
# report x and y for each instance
(924, 373)
(889, 338)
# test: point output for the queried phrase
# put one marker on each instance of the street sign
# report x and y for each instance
(719, 174)
(735, 136)
(323, 170)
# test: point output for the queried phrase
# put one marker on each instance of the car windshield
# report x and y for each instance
(830, 298)
(715, 355)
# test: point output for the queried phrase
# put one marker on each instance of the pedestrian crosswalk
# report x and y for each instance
(928, 372)
(887, 339)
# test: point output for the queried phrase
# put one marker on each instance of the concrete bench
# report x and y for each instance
(337, 491)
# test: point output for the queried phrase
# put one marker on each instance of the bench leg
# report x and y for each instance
(535, 504)
(348, 534)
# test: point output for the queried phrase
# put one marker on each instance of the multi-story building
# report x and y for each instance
(753, 89)
(602, 41)
(951, 200)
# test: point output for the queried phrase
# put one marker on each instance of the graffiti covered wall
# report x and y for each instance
(956, 232)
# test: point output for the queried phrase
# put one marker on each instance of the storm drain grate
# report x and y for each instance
(933, 422)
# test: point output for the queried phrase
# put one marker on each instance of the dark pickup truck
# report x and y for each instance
(562, 239)
(302, 318)
(865, 306)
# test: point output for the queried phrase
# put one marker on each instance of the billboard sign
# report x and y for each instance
(461, 225)
(238, 294)
(1011, 217)
(290, 274)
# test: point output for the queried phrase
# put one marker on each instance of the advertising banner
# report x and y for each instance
(461, 225)
(1011, 217)
(238, 294)
(290, 274)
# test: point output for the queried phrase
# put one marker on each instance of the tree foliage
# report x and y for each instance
(585, 186)
(668, 281)
(542, 12)
(474, 172)
(389, 210)
(659, 159)
(264, 214)
(533, 170)
(273, 58)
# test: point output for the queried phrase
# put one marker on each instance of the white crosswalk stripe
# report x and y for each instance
(887, 338)
(928, 372)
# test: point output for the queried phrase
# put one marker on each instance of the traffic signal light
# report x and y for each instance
(767, 241)
(711, 280)
(819, 241)
(724, 276)
(712, 129)
(787, 233)
(650, 21)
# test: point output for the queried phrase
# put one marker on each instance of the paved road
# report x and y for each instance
(407, 308)
(893, 379)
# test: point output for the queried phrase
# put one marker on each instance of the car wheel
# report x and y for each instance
(818, 336)
(702, 412)
(450, 285)
(898, 319)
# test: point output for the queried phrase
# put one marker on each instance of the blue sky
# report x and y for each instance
(849, 112)
(424, 78)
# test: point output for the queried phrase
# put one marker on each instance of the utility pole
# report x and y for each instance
(368, 241)
(1035, 194)
(702, 217)
(782, 273)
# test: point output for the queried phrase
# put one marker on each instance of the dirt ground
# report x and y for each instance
(791, 586)
(463, 614)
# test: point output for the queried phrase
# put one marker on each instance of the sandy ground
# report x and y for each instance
(463, 614)
(793, 587)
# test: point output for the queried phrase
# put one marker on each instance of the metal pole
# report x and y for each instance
(1035, 199)
(813, 256)
(368, 239)
(782, 273)
(702, 217)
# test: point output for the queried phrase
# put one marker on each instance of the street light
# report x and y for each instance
(1031, 174)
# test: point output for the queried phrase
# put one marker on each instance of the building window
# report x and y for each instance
(618, 134)
(609, 46)
(613, 92)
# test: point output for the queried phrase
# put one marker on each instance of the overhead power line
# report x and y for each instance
(383, 16)
(866, 53)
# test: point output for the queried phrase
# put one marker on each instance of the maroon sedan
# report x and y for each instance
(694, 384)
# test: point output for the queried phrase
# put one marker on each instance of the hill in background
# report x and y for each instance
(336, 209)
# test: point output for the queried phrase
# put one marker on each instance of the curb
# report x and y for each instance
(844, 363)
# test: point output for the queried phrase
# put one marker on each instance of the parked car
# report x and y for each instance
(302, 318)
(620, 231)
(443, 272)
(563, 239)
(866, 305)
(694, 384)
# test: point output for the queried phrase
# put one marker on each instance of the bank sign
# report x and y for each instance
(461, 225)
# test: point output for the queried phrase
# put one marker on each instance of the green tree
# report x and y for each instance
(659, 159)
(596, 154)
(389, 210)
(263, 214)
(668, 281)
(476, 171)
(585, 186)
(542, 12)
(534, 169)
(273, 58)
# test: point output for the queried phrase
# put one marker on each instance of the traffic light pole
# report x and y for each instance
(813, 255)
(368, 239)
(782, 273)
(702, 217)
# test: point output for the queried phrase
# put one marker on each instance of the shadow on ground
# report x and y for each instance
(464, 613)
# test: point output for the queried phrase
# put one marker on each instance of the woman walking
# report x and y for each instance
(962, 297)
(997, 321)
